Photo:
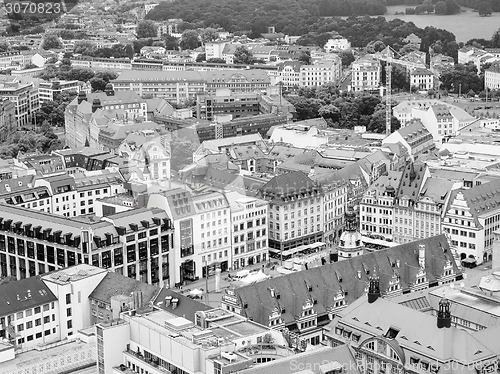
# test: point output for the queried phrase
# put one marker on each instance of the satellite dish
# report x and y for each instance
(462, 284)
(452, 286)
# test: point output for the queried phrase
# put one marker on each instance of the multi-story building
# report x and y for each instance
(86, 114)
(440, 63)
(297, 302)
(471, 218)
(169, 27)
(240, 126)
(492, 77)
(383, 338)
(216, 341)
(422, 79)
(134, 243)
(8, 122)
(202, 227)
(321, 72)
(24, 96)
(295, 212)
(29, 315)
(337, 44)
(114, 133)
(181, 86)
(377, 206)
(365, 74)
(414, 137)
(224, 102)
(249, 217)
(48, 91)
(289, 74)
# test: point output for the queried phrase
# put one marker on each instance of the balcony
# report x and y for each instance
(153, 366)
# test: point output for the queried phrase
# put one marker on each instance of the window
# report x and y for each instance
(38, 322)
(70, 323)
(29, 325)
(38, 310)
(68, 312)
(46, 319)
(68, 299)
(20, 327)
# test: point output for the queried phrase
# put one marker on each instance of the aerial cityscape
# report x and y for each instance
(249, 187)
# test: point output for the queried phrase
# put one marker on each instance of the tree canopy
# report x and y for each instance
(146, 29)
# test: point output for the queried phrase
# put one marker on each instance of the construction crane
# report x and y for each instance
(388, 92)
(388, 56)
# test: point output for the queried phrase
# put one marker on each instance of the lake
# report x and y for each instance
(466, 25)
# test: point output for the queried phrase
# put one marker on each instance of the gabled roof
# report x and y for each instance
(186, 307)
(350, 277)
(24, 294)
(286, 184)
(114, 284)
(421, 335)
(481, 199)
(411, 181)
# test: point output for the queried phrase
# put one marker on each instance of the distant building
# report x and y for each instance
(366, 74)
(492, 77)
(48, 91)
(414, 137)
(337, 45)
(24, 96)
(422, 79)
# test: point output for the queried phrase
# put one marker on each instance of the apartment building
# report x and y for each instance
(321, 72)
(61, 194)
(224, 102)
(49, 91)
(471, 219)
(492, 77)
(180, 86)
(422, 79)
(202, 231)
(115, 132)
(295, 212)
(24, 96)
(29, 314)
(87, 113)
(365, 74)
(337, 44)
(289, 74)
(249, 217)
(414, 136)
(33, 243)
(240, 126)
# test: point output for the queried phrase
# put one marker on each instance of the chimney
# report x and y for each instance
(374, 289)
(312, 172)
(398, 263)
(421, 255)
(444, 314)
(96, 104)
(359, 274)
(168, 301)
(175, 302)
(81, 97)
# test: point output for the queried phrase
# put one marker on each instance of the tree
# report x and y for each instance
(347, 58)
(4, 46)
(216, 60)
(51, 41)
(189, 40)
(85, 47)
(484, 9)
(440, 7)
(495, 40)
(242, 55)
(171, 42)
(98, 84)
(377, 123)
(201, 57)
(305, 58)
(146, 29)
(330, 111)
(208, 35)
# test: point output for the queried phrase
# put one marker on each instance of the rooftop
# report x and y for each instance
(72, 274)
